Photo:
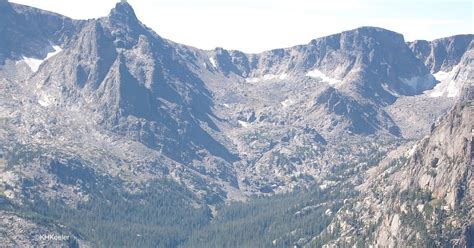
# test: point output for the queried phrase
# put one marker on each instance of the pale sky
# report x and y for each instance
(258, 25)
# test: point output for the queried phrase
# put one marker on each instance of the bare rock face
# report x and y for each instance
(442, 54)
(135, 83)
(422, 195)
(21, 232)
(414, 114)
(373, 62)
(124, 91)
(445, 157)
(109, 104)
(360, 118)
(368, 66)
(31, 31)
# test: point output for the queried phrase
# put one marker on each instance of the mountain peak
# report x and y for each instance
(373, 29)
(123, 11)
(376, 32)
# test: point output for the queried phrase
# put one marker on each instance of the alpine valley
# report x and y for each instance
(112, 136)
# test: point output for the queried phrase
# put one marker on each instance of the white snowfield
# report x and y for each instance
(288, 102)
(266, 77)
(446, 86)
(318, 74)
(35, 63)
(244, 124)
(213, 62)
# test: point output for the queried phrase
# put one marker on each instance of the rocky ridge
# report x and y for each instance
(111, 102)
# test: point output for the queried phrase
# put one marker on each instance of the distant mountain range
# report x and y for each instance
(104, 122)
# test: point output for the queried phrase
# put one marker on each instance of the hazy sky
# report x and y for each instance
(257, 25)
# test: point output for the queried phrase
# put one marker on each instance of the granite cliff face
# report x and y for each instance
(442, 54)
(414, 114)
(106, 110)
(374, 63)
(32, 32)
(421, 196)
(135, 83)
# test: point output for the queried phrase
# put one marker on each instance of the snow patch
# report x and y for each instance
(266, 77)
(441, 75)
(252, 80)
(34, 63)
(411, 151)
(318, 74)
(282, 76)
(447, 86)
(244, 124)
(386, 88)
(328, 212)
(287, 102)
(213, 62)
